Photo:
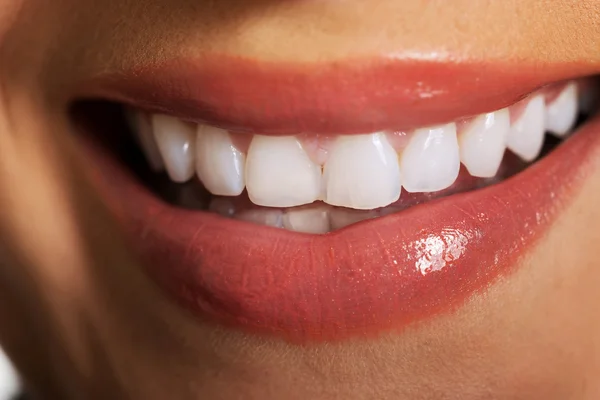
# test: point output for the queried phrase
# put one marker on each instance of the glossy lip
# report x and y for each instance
(374, 276)
(353, 96)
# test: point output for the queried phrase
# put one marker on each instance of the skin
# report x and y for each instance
(81, 320)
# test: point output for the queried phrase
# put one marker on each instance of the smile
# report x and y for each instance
(358, 200)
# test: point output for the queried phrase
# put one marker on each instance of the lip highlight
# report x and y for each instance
(374, 276)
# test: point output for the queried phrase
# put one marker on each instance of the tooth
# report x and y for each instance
(562, 112)
(342, 217)
(219, 164)
(279, 173)
(526, 136)
(431, 161)
(483, 142)
(176, 140)
(310, 220)
(362, 172)
(222, 206)
(267, 217)
(142, 128)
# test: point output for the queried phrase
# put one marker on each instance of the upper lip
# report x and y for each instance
(353, 96)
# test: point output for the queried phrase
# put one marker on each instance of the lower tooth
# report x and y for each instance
(342, 217)
(312, 220)
(222, 206)
(267, 217)
(431, 162)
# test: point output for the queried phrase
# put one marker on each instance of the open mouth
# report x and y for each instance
(266, 223)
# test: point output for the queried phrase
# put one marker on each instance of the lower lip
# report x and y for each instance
(371, 277)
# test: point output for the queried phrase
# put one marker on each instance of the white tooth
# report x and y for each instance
(222, 206)
(313, 220)
(219, 164)
(279, 173)
(362, 172)
(483, 142)
(431, 160)
(266, 217)
(562, 112)
(176, 141)
(526, 136)
(342, 217)
(142, 127)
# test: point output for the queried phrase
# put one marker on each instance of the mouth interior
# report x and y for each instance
(108, 123)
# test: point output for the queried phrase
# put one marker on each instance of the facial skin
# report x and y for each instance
(80, 318)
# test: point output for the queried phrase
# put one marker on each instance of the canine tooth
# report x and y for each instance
(219, 164)
(142, 128)
(342, 217)
(279, 173)
(267, 217)
(175, 140)
(483, 143)
(362, 172)
(526, 136)
(431, 160)
(310, 220)
(561, 114)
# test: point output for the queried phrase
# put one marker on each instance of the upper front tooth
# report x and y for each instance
(175, 140)
(279, 173)
(483, 142)
(562, 112)
(431, 161)
(142, 128)
(362, 172)
(526, 135)
(219, 164)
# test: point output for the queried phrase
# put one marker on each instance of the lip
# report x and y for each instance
(374, 276)
(353, 96)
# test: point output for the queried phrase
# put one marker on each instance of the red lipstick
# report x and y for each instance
(373, 276)
(336, 98)
(376, 275)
